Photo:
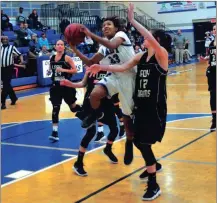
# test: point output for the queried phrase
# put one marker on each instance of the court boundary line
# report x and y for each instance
(64, 161)
(20, 122)
(29, 95)
(141, 168)
(196, 129)
(39, 147)
(189, 161)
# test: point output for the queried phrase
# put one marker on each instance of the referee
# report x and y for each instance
(7, 66)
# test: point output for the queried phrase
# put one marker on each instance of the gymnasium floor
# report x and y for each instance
(36, 170)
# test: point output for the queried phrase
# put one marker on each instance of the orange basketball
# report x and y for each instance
(73, 35)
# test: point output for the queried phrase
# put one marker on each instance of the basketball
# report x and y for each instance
(73, 35)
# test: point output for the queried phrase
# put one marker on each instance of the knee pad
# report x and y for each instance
(213, 100)
(55, 113)
(113, 133)
(118, 111)
(147, 154)
(88, 136)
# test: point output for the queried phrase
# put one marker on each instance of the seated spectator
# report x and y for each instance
(137, 49)
(21, 40)
(28, 31)
(19, 67)
(64, 23)
(187, 54)
(5, 24)
(88, 44)
(33, 19)
(44, 51)
(33, 47)
(21, 17)
(43, 41)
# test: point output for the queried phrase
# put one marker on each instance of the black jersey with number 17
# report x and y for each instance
(150, 84)
(150, 100)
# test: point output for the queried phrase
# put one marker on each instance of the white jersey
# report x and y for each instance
(120, 55)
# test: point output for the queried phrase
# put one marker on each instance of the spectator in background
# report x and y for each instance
(28, 31)
(20, 18)
(44, 51)
(33, 19)
(5, 24)
(33, 47)
(89, 44)
(179, 43)
(137, 49)
(43, 41)
(21, 40)
(187, 53)
(64, 23)
(208, 40)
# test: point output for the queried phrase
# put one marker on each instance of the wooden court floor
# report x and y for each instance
(187, 153)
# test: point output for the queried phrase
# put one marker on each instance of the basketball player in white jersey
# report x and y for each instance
(117, 50)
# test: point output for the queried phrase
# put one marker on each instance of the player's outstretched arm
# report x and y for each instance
(113, 44)
(88, 61)
(81, 84)
(145, 33)
(94, 69)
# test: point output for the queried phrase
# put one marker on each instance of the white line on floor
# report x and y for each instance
(39, 147)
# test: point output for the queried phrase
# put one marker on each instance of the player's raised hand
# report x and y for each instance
(131, 12)
(85, 30)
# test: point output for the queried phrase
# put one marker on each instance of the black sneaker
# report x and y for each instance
(99, 136)
(144, 175)
(213, 126)
(152, 192)
(79, 169)
(14, 102)
(54, 136)
(3, 106)
(128, 156)
(122, 131)
(110, 155)
(90, 120)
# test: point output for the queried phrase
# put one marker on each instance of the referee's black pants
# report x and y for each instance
(6, 74)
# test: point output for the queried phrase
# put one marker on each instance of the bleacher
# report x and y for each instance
(52, 17)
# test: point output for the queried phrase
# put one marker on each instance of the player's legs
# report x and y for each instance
(56, 100)
(69, 96)
(211, 79)
(105, 87)
(119, 114)
(78, 165)
(126, 90)
(110, 120)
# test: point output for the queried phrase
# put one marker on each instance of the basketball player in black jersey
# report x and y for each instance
(211, 78)
(109, 119)
(62, 67)
(150, 96)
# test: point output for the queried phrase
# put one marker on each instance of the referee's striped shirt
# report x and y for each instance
(7, 52)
